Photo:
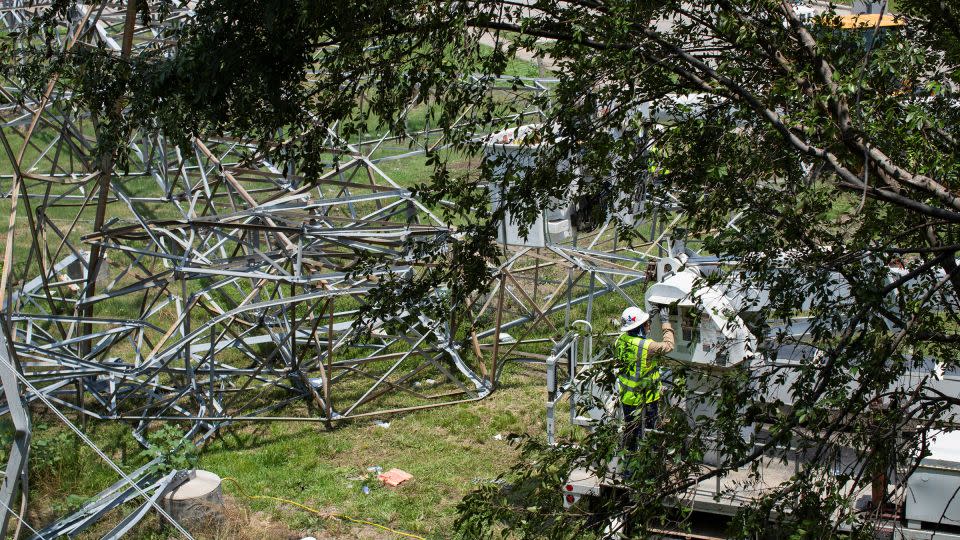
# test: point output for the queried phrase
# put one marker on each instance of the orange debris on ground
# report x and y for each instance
(394, 477)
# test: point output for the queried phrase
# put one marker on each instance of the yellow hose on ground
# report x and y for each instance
(236, 483)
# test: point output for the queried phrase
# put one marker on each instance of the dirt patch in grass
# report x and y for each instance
(241, 523)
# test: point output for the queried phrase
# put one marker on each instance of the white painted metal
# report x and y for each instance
(933, 490)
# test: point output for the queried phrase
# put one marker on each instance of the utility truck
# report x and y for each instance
(713, 334)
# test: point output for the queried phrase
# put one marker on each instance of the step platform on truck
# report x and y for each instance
(717, 495)
(717, 499)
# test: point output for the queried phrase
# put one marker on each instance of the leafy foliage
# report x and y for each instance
(832, 153)
(49, 451)
(171, 449)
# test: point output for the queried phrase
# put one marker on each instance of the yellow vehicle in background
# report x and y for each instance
(866, 21)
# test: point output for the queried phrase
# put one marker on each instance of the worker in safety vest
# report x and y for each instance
(639, 371)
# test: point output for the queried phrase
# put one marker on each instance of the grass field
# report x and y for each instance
(448, 451)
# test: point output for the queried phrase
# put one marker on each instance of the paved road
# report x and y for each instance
(842, 9)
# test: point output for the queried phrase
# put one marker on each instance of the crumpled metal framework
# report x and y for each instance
(206, 288)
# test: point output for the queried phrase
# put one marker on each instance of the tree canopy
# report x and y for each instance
(809, 154)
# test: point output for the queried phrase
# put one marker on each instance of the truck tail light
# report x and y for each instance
(569, 487)
(571, 498)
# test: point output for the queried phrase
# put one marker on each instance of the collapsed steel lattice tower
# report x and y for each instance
(207, 286)
(210, 274)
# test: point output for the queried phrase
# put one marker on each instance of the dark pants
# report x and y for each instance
(633, 429)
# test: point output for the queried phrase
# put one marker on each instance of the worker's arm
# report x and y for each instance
(665, 346)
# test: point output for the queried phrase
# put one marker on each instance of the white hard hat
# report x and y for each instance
(632, 317)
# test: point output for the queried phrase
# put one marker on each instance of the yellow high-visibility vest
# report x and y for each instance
(639, 373)
(654, 155)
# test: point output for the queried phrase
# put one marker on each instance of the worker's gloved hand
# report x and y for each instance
(654, 311)
(664, 315)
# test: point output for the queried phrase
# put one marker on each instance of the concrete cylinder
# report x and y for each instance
(196, 502)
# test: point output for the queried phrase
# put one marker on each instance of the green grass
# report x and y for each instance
(518, 67)
(448, 450)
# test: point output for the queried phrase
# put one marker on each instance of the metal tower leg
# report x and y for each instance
(19, 451)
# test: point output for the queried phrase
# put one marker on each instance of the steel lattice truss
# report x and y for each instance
(208, 286)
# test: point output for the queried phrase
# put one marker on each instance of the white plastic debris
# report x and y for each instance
(498, 437)
(506, 338)
(381, 423)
